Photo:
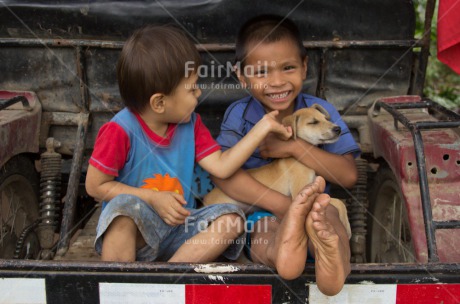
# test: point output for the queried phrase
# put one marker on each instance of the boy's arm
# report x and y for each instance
(335, 168)
(224, 164)
(169, 205)
(242, 187)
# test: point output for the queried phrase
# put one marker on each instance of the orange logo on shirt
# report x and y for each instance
(163, 183)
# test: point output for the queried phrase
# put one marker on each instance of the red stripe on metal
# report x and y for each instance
(228, 294)
(428, 293)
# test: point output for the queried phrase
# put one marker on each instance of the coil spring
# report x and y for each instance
(50, 189)
(357, 213)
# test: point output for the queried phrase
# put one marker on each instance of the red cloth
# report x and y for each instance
(449, 33)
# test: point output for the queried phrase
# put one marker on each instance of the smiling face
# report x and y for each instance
(274, 73)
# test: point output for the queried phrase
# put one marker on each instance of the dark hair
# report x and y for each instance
(153, 60)
(266, 28)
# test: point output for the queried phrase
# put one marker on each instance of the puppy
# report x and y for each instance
(287, 175)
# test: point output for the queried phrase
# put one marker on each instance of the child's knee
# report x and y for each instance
(122, 223)
(119, 240)
(232, 222)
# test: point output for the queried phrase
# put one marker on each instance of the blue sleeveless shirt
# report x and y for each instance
(155, 166)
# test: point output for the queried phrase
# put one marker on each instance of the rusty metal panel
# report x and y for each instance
(356, 78)
(442, 156)
(102, 80)
(50, 73)
(19, 127)
(364, 53)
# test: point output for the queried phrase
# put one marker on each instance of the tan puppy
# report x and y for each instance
(287, 175)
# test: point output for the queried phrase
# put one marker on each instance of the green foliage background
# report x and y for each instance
(442, 84)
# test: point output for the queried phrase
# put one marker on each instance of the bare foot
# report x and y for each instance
(332, 264)
(290, 248)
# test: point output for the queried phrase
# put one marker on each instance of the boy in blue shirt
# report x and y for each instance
(143, 160)
(271, 63)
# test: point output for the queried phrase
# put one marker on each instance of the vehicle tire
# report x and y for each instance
(18, 207)
(389, 237)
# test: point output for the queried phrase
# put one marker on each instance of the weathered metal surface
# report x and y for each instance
(50, 74)
(343, 63)
(19, 127)
(70, 199)
(63, 121)
(68, 282)
(82, 243)
(442, 158)
(419, 79)
(5, 103)
(205, 47)
(211, 21)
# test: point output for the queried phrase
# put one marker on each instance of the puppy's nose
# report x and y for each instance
(336, 130)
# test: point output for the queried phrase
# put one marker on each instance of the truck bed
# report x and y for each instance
(80, 277)
(98, 282)
(82, 244)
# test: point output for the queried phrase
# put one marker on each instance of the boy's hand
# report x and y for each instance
(274, 147)
(170, 207)
(275, 126)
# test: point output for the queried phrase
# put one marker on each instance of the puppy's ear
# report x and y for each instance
(292, 120)
(322, 110)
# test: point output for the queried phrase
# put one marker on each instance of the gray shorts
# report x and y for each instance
(164, 240)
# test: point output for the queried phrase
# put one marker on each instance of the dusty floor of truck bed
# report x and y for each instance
(82, 243)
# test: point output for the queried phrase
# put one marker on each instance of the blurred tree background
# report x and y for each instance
(441, 84)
